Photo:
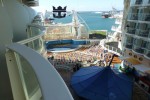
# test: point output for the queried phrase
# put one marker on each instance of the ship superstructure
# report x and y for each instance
(26, 74)
(136, 40)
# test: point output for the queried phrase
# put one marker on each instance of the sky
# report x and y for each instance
(81, 5)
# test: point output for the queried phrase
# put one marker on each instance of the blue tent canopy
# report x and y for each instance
(95, 83)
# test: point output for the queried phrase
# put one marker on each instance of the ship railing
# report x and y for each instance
(138, 49)
(142, 33)
(128, 45)
(112, 49)
(146, 2)
(35, 34)
(36, 77)
(136, 2)
(140, 2)
(147, 53)
(141, 43)
(130, 30)
(133, 16)
(144, 17)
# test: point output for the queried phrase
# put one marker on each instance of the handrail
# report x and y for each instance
(30, 39)
(52, 85)
(34, 37)
(115, 50)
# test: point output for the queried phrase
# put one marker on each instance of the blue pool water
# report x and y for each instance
(64, 45)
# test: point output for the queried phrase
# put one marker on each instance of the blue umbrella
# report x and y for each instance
(95, 83)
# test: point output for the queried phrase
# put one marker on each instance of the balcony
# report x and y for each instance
(34, 37)
(138, 2)
(142, 33)
(130, 30)
(138, 49)
(28, 73)
(144, 17)
(133, 16)
(140, 43)
(147, 54)
(114, 50)
(129, 46)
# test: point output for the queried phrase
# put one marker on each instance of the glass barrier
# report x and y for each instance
(28, 77)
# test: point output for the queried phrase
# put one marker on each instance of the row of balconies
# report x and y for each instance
(114, 50)
(139, 2)
(139, 50)
(138, 32)
(138, 46)
(139, 16)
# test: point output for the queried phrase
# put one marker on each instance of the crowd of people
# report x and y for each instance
(85, 56)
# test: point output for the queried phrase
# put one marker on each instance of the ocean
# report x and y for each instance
(92, 19)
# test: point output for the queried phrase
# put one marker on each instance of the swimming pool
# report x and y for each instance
(65, 45)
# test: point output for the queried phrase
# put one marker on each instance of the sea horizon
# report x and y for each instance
(93, 19)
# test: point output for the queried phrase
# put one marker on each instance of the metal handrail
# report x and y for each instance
(114, 49)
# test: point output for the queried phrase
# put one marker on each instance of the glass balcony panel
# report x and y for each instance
(129, 46)
(133, 16)
(34, 31)
(140, 43)
(130, 30)
(148, 46)
(29, 78)
(138, 49)
(147, 53)
(138, 2)
(145, 2)
(36, 44)
(142, 33)
(144, 17)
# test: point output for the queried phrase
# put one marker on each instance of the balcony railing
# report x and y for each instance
(133, 16)
(35, 74)
(138, 49)
(129, 46)
(138, 2)
(140, 43)
(113, 49)
(34, 40)
(147, 54)
(130, 30)
(144, 16)
(142, 33)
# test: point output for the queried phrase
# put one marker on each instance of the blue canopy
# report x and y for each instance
(95, 83)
